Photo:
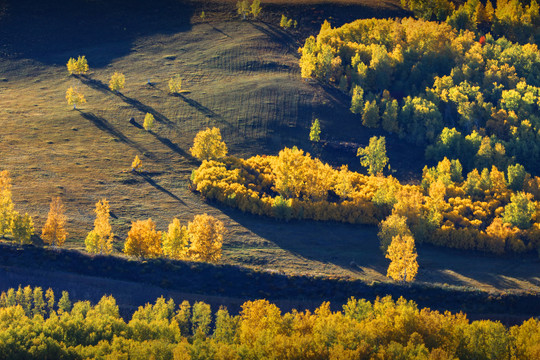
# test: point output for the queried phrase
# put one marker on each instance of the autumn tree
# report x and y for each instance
(392, 226)
(520, 210)
(79, 66)
(148, 122)
(175, 84)
(285, 22)
(117, 81)
(22, 228)
(255, 8)
(100, 239)
(243, 8)
(6, 203)
(402, 254)
(315, 131)
(74, 97)
(208, 145)
(373, 157)
(54, 232)
(143, 240)
(136, 165)
(205, 235)
(175, 241)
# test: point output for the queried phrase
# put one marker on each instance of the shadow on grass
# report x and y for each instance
(203, 109)
(151, 181)
(107, 127)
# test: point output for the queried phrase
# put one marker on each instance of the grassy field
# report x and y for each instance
(240, 76)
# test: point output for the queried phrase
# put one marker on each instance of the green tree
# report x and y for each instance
(22, 228)
(64, 304)
(39, 303)
(208, 145)
(357, 101)
(520, 210)
(201, 319)
(49, 296)
(389, 119)
(315, 131)
(370, 115)
(373, 157)
(516, 175)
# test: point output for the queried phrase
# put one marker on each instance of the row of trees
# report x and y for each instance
(490, 210)
(423, 80)
(514, 19)
(200, 240)
(34, 327)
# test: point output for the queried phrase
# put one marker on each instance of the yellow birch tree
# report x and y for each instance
(143, 240)
(6, 203)
(208, 145)
(100, 239)
(402, 254)
(54, 232)
(175, 241)
(205, 234)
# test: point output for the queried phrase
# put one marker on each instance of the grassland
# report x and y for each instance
(241, 76)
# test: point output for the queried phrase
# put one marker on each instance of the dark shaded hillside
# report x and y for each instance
(37, 29)
(237, 282)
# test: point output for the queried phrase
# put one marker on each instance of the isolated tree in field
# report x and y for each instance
(402, 254)
(143, 240)
(100, 239)
(79, 66)
(22, 228)
(117, 81)
(54, 232)
(285, 22)
(373, 157)
(205, 235)
(136, 165)
(315, 131)
(203, 16)
(74, 97)
(6, 203)
(175, 84)
(243, 8)
(148, 122)
(255, 8)
(175, 241)
(208, 145)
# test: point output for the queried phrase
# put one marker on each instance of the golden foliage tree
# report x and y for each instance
(100, 239)
(392, 226)
(117, 81)
(6, 203)
(315, 131)
(74, 97)
(175, 83)
(79, 66)
(54, 232)
(205, 235)
(175, 241)
(143, 240)
(402, 254)
(148, 122)
(208, 145)
(255, 8)
(136, 165)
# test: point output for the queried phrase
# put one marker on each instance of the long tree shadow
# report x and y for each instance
(203, 109)
(107, 127)
(151, 181)
(103, 88)
(177, 149)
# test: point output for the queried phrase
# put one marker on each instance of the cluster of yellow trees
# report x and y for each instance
(34, 327)
(489, 210)
(419, 79)
(200, 240)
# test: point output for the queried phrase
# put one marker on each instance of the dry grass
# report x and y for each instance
(240, 76)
